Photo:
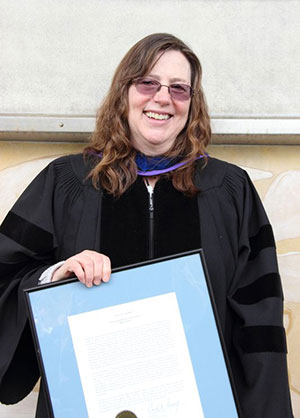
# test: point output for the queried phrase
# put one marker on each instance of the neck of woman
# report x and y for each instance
(150, 180)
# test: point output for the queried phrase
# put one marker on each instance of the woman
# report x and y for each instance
(145, 188)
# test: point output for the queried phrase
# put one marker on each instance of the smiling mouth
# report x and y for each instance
(158, 116)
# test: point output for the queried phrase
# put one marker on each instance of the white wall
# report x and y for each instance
(58, 56)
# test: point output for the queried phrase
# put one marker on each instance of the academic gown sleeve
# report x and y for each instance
(240, 254)
(255, 297)
(27, 241)
(29, 238)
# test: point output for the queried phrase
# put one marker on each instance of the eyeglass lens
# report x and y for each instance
(150, 87)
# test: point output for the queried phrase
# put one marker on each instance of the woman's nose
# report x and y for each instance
(163, 95)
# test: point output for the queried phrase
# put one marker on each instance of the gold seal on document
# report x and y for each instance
(126, 414)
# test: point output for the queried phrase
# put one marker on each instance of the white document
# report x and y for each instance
(134, 356)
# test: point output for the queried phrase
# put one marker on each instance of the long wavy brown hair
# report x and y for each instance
(116, 170)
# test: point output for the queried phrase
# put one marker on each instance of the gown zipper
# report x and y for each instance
(151, 219)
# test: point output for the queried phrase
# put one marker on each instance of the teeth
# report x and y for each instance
(158, 116)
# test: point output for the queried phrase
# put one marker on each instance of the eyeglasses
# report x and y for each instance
(150, 87)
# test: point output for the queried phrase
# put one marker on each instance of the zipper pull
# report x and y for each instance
(150, 191)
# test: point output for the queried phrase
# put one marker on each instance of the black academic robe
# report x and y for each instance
(61, 214)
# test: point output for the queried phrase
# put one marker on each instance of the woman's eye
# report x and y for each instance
(149, 83)
(178, 87)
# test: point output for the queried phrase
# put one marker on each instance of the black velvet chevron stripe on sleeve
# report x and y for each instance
(266, 286)
(263, 239)
(263, 338)
(26, 234)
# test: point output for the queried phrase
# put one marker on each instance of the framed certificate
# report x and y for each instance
(147, 344)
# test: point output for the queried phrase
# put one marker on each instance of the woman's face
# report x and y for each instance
(149, 134)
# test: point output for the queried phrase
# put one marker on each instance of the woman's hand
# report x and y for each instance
(88, 266)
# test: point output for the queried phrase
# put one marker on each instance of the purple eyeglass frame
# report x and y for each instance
(159, 86)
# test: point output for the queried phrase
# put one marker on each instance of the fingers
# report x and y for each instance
(106, 269)
(90, 267)
(102, 270)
